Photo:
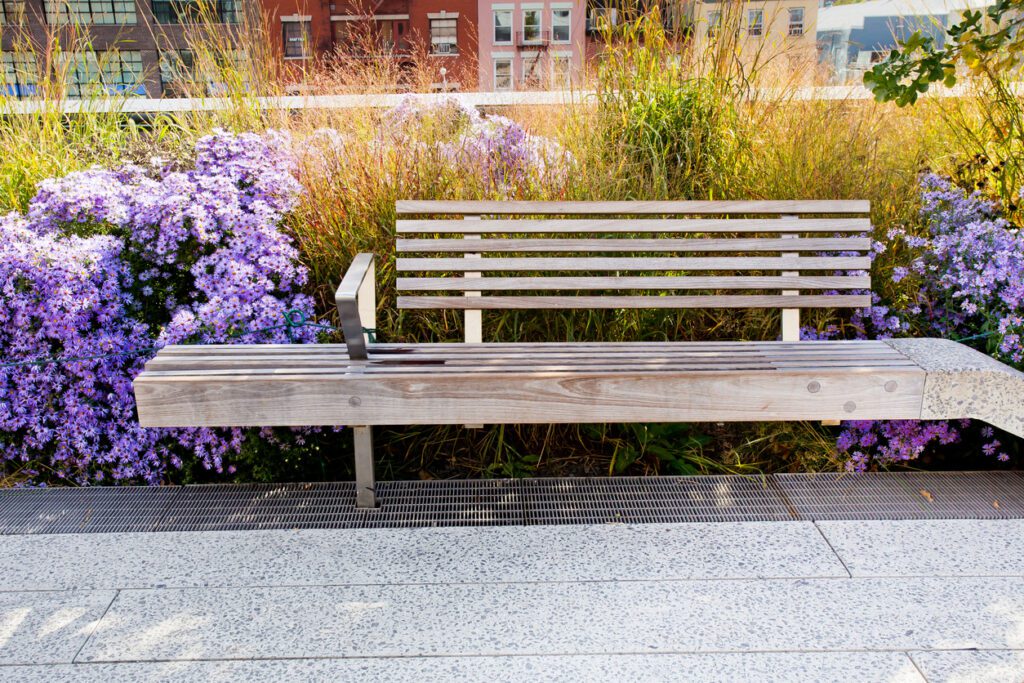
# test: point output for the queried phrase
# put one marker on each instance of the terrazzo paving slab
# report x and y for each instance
(971, 666)
(929, 547)
(570, 618)
(47, 627)
(965, 666)
(796, 667)
(398, 556)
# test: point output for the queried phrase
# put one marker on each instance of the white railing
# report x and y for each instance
(142, 105)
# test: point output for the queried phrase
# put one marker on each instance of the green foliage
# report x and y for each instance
(986, 124)
(989, 43)
(663, 448)
(674, 131)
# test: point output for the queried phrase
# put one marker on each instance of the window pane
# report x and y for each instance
(296, 39)
(531, 24)
(90, 73)
(560, 69)
(185, 11)
(107, 12)
(796, 21)
(19, 74)
(503, 26)
(755, 22)
(560, 25)
(503, 74)
(443, 33)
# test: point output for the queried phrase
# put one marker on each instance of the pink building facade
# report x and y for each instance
(531, 45)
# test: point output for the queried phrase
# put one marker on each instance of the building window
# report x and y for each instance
(561, 21)
(796, 21)
(90, 11)
(20, 76)
(531, 25)
(11, 11)
(714, 22)
(600, 18)
(296, 39)
(755, 22)
(560, 71)
(177, 72)
(443, 40)
(503, 74)
(186, 11)
(532, 76)
(102, 73)
(502, 27)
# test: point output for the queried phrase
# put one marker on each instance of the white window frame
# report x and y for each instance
(714, 23)
(511, 61)
(495, 11)
(533, 57)
(567, 24)
(539, 11)
(759, 26)
(434, 42)
(555, 58)
(305, 25)
(796, 28)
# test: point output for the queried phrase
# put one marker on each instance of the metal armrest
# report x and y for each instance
(357, 304)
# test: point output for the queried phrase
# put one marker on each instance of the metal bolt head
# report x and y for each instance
(814, 387)
(891, 385)
(355, 401)
(849, 406)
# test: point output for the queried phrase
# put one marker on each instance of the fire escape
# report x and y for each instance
(533, 39)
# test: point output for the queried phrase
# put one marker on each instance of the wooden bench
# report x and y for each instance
(479, 255)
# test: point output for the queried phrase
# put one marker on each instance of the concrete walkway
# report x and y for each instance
(925, 600)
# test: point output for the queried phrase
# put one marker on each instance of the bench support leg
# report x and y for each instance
(366, 485)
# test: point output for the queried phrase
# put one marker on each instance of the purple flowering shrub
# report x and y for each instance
(507, 160)
(110, 261)
(964, 281)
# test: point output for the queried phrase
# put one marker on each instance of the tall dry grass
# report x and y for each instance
(666, 122)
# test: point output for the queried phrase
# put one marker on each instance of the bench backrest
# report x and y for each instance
(476, 255)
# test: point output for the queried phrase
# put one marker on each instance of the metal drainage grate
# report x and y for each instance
(652, 499)
(905, 495)
(263, 506)
(489, 502)
(498, 502)
(97, 509)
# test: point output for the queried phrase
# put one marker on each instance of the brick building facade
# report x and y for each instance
(435, 34)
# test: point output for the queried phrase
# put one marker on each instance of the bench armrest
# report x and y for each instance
(357, 304)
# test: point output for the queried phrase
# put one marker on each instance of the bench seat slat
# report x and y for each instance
(624, 368)
(634, 208)
(640, 264)
(813, 244)
(632, 225)
(202, 364)
(284, 357)
(612, 282)
(635, 302)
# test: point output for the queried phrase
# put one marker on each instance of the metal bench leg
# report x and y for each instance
(366, 486)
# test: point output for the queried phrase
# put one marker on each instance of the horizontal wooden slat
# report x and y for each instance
(535, 397)
(633, 225)
(241, 361)
(809, 346)
(751, 244)
(663, 283)
(604, 367)
(640, 264)
(695, 208)
(612, 302)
